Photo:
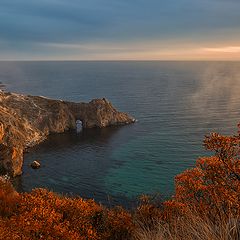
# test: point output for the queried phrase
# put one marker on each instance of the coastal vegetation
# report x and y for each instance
(205, 205)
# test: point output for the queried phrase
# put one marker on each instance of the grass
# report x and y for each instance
(190, 227)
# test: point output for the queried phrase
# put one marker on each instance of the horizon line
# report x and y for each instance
(119, 60)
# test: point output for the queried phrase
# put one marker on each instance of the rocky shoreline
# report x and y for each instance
(27, 120)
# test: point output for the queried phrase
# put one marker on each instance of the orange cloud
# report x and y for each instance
(228, 49)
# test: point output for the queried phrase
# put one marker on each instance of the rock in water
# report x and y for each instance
(35, 165)
(27, 120)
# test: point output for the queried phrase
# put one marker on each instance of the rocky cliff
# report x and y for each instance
(27, 120)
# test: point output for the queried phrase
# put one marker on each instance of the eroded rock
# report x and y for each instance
(27, 120)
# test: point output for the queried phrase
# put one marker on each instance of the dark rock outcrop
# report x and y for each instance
(27, 120)
(35, 164)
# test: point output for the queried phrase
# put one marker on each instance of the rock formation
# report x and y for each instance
(27, 120)
(35, 164)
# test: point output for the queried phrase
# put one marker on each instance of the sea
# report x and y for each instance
(176, 105)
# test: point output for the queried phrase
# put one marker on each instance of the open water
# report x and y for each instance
(176, 104)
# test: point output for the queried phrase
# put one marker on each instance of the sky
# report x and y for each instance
(120, 30)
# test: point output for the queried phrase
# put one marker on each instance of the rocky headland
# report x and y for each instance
(27, 120)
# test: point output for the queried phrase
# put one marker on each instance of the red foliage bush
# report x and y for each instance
(8, 198)
(213, 186)
(44, 215)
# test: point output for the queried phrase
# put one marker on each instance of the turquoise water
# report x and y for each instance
(176, 104)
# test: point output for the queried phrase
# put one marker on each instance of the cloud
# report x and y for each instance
(228, 49)
(29, 27)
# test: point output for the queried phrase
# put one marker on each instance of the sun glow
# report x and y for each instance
(228, 49)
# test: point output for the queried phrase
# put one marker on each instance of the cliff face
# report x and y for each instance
(27, 120)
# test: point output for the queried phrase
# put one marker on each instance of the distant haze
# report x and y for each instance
(120, 30)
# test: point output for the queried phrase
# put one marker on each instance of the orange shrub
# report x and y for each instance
(44, 215)
(213, 186)
(119, 224)
(8, 198)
